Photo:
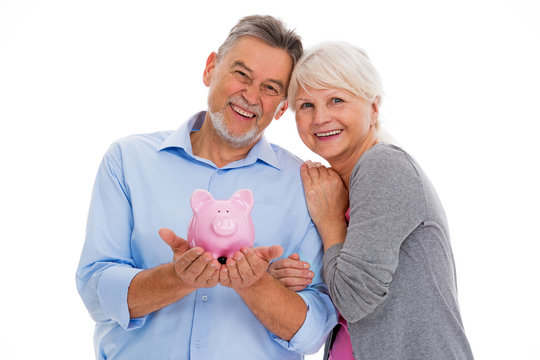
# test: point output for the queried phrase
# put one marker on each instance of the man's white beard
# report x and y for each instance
(236, 141)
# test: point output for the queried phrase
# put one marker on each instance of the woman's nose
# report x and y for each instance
(321, 116)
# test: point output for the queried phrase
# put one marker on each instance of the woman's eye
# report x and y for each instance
(306, 106)
(337, 100)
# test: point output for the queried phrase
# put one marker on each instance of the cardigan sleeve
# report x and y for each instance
(387, 203)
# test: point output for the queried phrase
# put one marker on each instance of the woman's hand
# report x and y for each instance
(291, 272)
(327, 200)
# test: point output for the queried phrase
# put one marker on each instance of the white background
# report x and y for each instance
(462, 84)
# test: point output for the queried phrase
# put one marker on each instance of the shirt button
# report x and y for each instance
(204, 298)
(197, 344)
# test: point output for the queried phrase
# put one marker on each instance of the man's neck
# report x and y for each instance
(207, 144)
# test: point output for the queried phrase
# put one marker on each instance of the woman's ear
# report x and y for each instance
(209, 68)
(375, 110)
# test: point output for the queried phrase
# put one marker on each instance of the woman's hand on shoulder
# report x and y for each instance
(326, 195)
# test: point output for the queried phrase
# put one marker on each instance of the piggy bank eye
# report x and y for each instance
(227, 211)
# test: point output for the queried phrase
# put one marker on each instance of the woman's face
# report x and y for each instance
(334, 123)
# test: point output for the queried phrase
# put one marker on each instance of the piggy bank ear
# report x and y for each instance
(244, 198)
(199, 198)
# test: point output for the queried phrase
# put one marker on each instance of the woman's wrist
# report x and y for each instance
(332, 232)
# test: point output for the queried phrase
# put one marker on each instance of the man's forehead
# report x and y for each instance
(250, 50)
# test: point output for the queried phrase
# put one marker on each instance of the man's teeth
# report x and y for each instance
(328, 133)
(242, 112)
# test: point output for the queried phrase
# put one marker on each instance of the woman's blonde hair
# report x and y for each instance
(336, 65)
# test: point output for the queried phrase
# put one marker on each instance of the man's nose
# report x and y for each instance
(252, 94)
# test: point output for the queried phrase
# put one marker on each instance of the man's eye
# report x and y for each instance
(270, 90)
(241, 76)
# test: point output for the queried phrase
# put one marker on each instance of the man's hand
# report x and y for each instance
(248, 266)
(193, 266)
(291, 272)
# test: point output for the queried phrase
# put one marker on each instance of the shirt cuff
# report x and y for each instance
(112, 292)
(321, 317)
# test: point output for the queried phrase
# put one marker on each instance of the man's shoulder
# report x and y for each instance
(154, 139)
(136, 146)
(287, 159)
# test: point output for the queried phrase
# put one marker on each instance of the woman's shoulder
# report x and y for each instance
(386, 158)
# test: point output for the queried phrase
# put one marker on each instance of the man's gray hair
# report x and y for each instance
(268, 29)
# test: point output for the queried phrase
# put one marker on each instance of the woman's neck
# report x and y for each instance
(345, 168)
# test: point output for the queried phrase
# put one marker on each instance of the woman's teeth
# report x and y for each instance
(328, 133)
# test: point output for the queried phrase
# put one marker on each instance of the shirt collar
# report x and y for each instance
(180, 138)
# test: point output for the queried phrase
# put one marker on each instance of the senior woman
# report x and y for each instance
(388, 263)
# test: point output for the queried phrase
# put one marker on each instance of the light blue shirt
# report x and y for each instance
(145, 183)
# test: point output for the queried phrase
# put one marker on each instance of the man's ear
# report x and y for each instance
(282, 107)
(209, 68)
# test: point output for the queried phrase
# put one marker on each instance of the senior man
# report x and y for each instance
(151, 304)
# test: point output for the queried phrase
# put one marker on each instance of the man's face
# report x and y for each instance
(246, 87)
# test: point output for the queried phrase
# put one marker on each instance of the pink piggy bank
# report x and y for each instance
(221, 227)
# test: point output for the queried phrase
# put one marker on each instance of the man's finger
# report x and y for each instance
(209, 275)
(244, 266)
(269, 252)
(224, 278)
(234, 276)
(188, 258)
(175, 242)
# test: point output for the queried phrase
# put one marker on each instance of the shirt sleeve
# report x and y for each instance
(106, 267)
(386, 204)
(321, 315)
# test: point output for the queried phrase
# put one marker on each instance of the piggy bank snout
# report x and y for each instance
(224, 225)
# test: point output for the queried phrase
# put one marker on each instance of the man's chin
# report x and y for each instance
(234, 139)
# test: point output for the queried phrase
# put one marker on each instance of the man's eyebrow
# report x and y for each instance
(241, 64)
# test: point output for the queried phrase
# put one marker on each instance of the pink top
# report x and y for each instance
(342, 347)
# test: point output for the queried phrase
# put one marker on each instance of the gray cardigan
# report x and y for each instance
(393, 279)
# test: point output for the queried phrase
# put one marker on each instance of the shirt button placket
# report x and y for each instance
(200, 327)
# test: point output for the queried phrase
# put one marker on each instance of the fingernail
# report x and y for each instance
(306, 266)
